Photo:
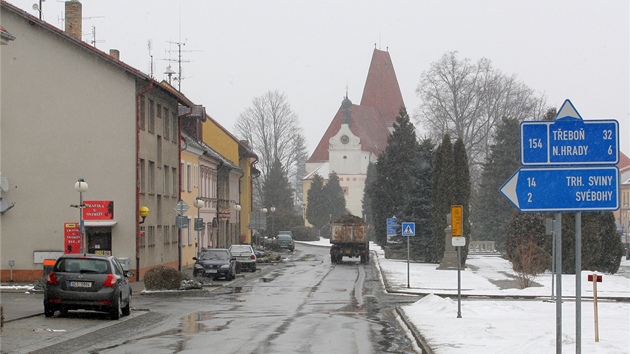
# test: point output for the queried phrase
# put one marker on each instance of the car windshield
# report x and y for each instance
(78, 265)
(214, 255)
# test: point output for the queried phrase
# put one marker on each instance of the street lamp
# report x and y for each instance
(198, 203)
(81, 187)
(261, 217)
(272, 209)
(237, 207)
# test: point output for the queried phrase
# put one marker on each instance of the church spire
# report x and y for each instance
(346, 104)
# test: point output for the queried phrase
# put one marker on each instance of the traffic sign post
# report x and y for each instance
(567, 140)
(457, 220)
(408, 230)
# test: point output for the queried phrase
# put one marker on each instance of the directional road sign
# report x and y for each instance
(569, 140)
(563, 189)
(391, 226)
(409, 229)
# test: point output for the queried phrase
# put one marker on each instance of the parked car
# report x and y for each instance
(245, 256)
(286, 241)
(88, 282)
(215, 263)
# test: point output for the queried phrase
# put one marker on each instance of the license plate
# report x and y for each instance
(211, 271)
(347, 251)
(80, 284)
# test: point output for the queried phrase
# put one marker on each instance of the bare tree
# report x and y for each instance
(468, 100)
(273, 131)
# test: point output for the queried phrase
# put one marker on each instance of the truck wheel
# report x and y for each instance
(333, 259)
(363, 259)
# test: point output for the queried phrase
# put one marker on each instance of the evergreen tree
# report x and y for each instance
(443, 197)
(334, 197)
(419, 205)
(316, 212)
(395, 170)
(277, 191)
(461, 192)
(366, 202)
(492, 212)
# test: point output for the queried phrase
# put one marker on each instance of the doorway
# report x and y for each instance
(99, 240)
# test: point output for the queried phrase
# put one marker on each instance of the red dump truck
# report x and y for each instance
(348, 238)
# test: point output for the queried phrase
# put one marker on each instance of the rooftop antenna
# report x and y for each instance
(150, 59)
(94, 41)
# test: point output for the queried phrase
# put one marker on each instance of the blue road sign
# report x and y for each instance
(409, 229)
(569, 140)
(391, 226)
(563, 189)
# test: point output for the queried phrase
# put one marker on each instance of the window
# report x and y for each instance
(174, 121)
(143, 237)
(165, 181)
(166, 235)
(182, 176)
(143, 112)
(175, 181)
(142, 177)
(151, 116)
(159, 151)
(159, 110)
(175, 240)
(151, 177)
(189, 177)
(151, 236)
(166, 124)
(345, 190)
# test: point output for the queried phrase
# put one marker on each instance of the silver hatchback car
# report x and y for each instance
(88, 282)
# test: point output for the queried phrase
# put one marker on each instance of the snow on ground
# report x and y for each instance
(507, 325)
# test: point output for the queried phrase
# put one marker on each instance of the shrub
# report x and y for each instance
(162, 278)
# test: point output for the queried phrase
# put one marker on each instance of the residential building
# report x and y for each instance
(70, 111)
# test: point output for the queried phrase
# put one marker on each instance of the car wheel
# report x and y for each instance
(48, 311)
(114, 312)
(254, 268)
(127, 309)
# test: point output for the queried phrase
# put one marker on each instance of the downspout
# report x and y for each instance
(150, 87)
(217, 211)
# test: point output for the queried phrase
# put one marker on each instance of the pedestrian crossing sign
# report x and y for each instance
(409, 229)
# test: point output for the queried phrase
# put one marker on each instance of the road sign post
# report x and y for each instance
(567, 140)
(408, 230)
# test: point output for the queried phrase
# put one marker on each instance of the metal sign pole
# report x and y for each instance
(558, 227)
(578, 283)
(408, 262)
(459, 282)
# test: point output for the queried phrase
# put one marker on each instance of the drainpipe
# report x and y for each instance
(138, 110)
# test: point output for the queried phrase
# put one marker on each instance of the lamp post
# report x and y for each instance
(271, 230)
(198, 203)
(81, 187)
(237, 207)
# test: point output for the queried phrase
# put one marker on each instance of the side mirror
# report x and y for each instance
(195, 258)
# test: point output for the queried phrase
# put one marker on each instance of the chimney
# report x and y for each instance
(73, 18)
(115, 53)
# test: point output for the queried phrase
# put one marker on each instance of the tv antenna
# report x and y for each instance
(179, 61)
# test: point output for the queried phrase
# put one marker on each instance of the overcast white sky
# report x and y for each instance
(311, 50)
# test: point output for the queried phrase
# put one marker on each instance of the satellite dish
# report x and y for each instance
(4, 182)
(35, 7)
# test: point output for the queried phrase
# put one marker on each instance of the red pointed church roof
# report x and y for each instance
(377, 112)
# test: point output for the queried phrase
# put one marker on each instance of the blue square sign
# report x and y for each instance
(409, 229)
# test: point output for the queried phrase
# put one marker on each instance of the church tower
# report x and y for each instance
(358, 133)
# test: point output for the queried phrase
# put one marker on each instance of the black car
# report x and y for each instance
(215, 263)
(88, 282)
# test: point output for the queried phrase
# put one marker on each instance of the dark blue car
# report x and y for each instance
(215, 263)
